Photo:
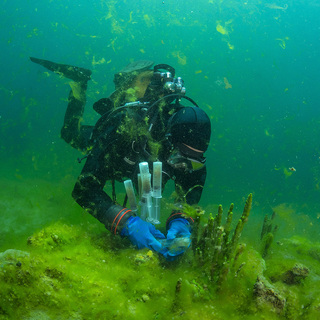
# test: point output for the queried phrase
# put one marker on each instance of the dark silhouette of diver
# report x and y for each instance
(142, 120)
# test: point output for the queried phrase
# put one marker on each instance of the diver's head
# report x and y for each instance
(189, 131)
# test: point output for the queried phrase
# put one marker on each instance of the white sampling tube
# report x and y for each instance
(157, 179)
(131, 196)
(144, 168)
(139, 186)
(146, 200)
(156, 191)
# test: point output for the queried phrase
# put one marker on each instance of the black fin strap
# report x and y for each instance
(114, 196)
(125, 201)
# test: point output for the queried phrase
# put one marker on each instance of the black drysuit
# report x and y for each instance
(116, 154)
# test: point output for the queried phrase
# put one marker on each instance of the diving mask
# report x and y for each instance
(181, 162)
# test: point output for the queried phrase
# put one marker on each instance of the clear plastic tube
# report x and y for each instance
(157, 179)
(146, 184)
(146, 192)
(156, 208)
(150, 197)
(146, 206)
(156, 191)
(131, 196)
(176, 246)
(144, 168)
(139, 186)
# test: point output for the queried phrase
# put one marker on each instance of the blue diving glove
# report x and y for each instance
(143, 234)
(178, 238)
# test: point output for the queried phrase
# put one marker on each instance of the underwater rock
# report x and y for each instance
(12, 256)
(303, 246)
(265, 294)
(55, 237)
(145, 298)
(38, 315)
(296, 274)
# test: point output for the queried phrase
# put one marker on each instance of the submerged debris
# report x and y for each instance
(176, 305)
(295, 275)
(266, 295)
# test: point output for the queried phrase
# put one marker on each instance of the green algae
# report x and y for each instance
(69, 272)
(77, 270)
(214, 251)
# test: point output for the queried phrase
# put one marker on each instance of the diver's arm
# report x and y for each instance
(88, 191)
(189, 186)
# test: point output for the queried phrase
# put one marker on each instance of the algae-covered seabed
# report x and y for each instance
(72, 268)
(252, 66)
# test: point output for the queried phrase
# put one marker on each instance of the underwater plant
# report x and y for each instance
(215, 249)
(267, 234)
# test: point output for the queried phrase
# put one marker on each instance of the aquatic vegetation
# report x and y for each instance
(65, 273)
(286, 171)
(230, 46)
(77, 91)
(221, 29)
(74, 269)
(227, 84)
(116, 27)
(276, 7)
(282, 42)
(111, 14)
(292, 270)
(148, 20)
(81, 271)
(213, 249)
(225, 30)
(95, 62)
(131, 94)
(182, 58)
(267, 234)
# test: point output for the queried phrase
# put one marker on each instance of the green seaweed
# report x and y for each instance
(267, 234)
(216, 252)
(81, 271)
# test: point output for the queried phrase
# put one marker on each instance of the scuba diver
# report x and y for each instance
(143, 120)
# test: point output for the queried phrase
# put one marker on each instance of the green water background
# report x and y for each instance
(266, 123)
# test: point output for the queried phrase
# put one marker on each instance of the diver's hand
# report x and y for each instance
(179, 227)
(178, 238)
(142, 234)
